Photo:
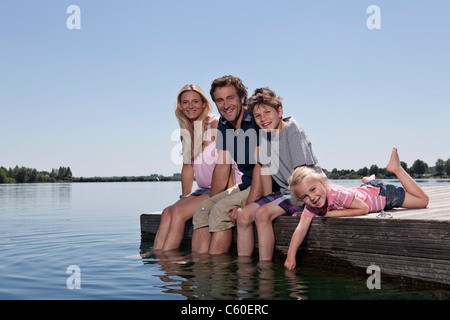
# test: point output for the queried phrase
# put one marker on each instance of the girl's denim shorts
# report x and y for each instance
(394, 195)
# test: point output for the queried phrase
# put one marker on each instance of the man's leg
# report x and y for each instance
(201, 239)
(221, 242)
(201, 236)
(220, 223)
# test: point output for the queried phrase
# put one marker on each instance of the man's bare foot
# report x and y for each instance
(394, 162)
(367, 179)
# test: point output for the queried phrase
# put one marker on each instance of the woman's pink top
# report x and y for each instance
(205, 162)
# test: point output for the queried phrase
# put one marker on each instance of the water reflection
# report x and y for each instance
(181, 274)
(206, 277)
(35, 198)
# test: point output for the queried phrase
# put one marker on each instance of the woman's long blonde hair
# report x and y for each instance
(193, 144)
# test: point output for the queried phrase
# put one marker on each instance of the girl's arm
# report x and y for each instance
(296, 241)
(357, 208)
(187, 179)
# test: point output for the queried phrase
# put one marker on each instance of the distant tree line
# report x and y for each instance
(28, 175)
(63, 174)
(126, 179)
(418, 170)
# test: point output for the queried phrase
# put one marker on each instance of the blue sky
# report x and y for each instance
(100, 99)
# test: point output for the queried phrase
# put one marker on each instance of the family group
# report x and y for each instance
(238, 186)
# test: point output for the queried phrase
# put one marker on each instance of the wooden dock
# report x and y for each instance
(413, 245)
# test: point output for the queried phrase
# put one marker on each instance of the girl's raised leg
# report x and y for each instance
(415, 197)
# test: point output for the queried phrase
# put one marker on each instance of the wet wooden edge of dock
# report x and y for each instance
(413, 246)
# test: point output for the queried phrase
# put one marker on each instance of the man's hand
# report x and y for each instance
(234, 214)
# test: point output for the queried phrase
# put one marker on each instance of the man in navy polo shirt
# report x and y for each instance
(237, 140)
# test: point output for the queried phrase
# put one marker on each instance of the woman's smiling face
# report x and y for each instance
(191, 105)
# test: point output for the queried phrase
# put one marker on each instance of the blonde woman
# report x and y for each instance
(193, 111)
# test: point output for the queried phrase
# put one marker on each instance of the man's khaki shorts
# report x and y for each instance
(214, 212)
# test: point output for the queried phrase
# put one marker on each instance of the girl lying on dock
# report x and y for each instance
(326, 200)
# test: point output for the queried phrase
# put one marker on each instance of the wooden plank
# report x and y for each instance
(414, 245)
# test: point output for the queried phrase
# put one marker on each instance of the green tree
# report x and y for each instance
(364, 172)
(373, 170)
(2, 175)
(54, 174)
(447, 166)
(64, 174)
(419, 167)
(20, 174)
(440, 167)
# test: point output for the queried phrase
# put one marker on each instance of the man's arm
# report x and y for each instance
(221, 173)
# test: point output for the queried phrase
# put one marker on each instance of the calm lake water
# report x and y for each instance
(82, 241)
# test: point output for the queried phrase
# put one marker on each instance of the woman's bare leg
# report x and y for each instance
(164, 224)
(181, 212)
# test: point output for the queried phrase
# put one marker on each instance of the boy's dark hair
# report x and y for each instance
(224, 81)
(264, 96)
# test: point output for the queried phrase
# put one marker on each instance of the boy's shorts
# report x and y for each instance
(394, 195)
(280, 200)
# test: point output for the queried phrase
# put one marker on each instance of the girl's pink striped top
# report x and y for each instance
(341, 198)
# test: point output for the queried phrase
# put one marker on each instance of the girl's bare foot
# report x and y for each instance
(394, 162)
(367, 179)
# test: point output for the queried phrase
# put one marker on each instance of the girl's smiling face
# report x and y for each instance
(312, 192)
(191, 105)
(267, 118)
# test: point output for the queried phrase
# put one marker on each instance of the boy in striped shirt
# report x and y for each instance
(323, 199)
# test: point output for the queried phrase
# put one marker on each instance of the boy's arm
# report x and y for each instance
(256, 186)
(357, 208)
(296, 241)
(266, 180)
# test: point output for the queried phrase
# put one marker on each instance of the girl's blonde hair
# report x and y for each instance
(195, 145)
(297, 177)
